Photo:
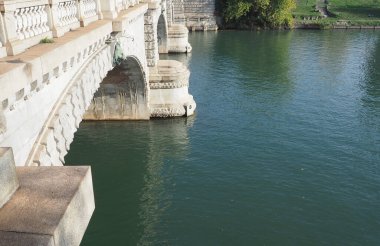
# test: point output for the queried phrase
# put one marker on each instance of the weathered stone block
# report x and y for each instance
(53, 206)
(148, 29)
(8, 178)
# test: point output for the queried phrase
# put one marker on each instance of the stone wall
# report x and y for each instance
(200, 14)
(195, 14)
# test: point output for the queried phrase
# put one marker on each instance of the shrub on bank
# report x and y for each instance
(264, 13)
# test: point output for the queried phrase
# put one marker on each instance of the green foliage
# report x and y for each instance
(236, 9)
(272, 13)
(46, 40)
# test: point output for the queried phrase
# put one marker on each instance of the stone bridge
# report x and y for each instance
(65, 61)
(103, 64)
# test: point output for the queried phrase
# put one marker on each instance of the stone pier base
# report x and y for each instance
(178, 39)
(169, 96)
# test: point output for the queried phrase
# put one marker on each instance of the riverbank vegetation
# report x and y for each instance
(264, 13)
(300, 13)
(328, 13)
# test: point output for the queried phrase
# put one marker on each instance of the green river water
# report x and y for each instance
(284, 148)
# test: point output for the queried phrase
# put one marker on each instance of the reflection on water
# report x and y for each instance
(371, 78)
(284, 149)
(130, 179)
(157, 192)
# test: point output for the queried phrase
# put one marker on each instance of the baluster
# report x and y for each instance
(91, 6)
(75, 11)
(65, 14)
(60, 14)
(18, 17)
(71, 11)
(84, 8)
(24, 23)
(94, 7)
(33, 16)
(88, 8)
(39, 19)
(44, 19)
(29, 21)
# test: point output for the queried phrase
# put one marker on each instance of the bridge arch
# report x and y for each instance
(99, 75)
(162, 34)
(122, 95)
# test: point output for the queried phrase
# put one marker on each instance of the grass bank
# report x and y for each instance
(340, 13)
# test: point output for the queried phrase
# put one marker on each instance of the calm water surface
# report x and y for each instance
(284, 148)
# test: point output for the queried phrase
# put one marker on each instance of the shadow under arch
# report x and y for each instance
(122, 95)
(162, 35)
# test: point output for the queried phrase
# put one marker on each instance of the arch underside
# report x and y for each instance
(162, 35)
(126, 83)
(122, 94)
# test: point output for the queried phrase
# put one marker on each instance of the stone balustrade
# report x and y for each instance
(124, 4)
(24, 23)
(65, 16)
(31, 21)
(89, 9)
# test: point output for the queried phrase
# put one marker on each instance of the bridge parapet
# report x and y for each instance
(111, 8)
(26, 23)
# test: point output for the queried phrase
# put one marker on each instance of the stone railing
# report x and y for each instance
(88, 8)
(65, 16)
(89, 11)
(125, 4)
(25, 23)
(31, 21)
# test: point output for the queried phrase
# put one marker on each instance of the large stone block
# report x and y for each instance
(8, 178)
(53, 206)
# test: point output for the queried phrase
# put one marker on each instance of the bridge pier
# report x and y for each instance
(178, 36)
(169, 96)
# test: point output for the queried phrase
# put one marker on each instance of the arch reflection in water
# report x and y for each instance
(133, 164)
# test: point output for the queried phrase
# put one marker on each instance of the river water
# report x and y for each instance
(284, 148)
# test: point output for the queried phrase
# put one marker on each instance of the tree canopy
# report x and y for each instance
(272, 13)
